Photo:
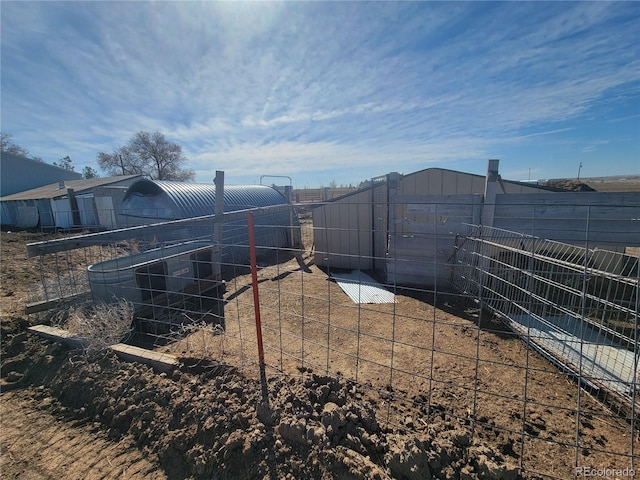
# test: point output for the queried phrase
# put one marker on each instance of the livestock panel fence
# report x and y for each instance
(530, 350)
(575, 305)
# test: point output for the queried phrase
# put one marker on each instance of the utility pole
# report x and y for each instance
(121, 163)
(579, 167)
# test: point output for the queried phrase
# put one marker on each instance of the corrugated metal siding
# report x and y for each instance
(176, 200)
(149, 201)
(20, 214)
(18, 209)
(361, 288)
(596, 355)
(20, 174)
(87, 211)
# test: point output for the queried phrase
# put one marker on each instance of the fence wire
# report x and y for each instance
(577, 305)
(532, 345)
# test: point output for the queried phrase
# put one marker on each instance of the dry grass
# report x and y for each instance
(101, 325)
(203, 341)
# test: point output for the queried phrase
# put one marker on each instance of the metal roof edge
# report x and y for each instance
(53, 190)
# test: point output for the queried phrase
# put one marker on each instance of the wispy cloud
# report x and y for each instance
(318, 90)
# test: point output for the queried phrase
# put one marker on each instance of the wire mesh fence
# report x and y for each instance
(580, 306)
(506, 347)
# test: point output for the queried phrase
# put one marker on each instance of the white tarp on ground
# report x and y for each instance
(361, 288)
(582, 348)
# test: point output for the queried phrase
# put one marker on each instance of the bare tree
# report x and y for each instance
(120, 162)
(147, 154)
(7, 145)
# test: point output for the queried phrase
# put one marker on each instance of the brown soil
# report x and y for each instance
(66, 415)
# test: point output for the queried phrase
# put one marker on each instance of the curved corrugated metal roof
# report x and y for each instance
(185, 200)
(150, 201)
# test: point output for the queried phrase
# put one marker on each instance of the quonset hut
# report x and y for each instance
(156, 201)
(152, 201)
(187, 248)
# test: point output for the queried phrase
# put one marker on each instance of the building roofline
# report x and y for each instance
(53, 190)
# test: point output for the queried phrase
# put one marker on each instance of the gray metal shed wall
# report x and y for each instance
(20, 174)
(604, 219)
(19, 214)
(423, 230)
(17, 209)
(343, 232)
(108, 200)
(425, 211)
(438, 181)
(435, 181)
(27, 213)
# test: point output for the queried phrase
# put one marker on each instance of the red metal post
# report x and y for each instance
(256, 306)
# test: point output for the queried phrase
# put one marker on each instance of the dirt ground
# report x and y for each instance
(391, 391)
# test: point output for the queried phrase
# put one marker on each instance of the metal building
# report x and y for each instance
(179, 239)
(405, 228)
(353, 230)
(152, 201)
(155, 200)
(390, 226)
(20, 174)
(87, 203)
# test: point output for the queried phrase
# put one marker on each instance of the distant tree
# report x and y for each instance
(89, 172)
(333, 184)
(147, 154)
(9, 146)
(65, 164)
(120, 162)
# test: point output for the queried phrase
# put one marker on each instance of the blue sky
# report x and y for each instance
(330, 91)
